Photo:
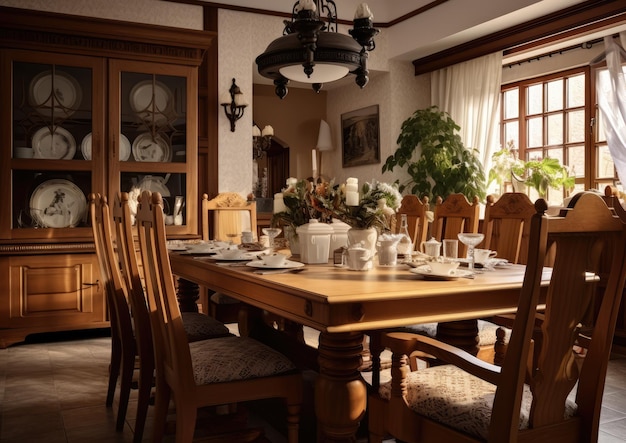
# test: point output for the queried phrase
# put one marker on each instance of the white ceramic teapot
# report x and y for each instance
(431, 247)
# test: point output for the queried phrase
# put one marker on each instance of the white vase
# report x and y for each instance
(292, 238)
(366, 236)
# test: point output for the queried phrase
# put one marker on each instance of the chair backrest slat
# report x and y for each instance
(507, 225)
(453, 215)
(170, 339)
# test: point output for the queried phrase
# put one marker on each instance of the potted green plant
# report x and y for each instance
(543, 174)
(431, 150)
(537, 174)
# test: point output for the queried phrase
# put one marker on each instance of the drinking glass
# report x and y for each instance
(272, 233)
(471, 241)
(450, 249)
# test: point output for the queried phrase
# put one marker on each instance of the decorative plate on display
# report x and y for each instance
(148, 183)
(57, 144)
(151, 101)
(147, 148)
(425, 272)
(67, 94)
(58, 203)
(85, 147)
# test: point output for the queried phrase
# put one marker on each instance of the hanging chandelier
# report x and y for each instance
(312, 51)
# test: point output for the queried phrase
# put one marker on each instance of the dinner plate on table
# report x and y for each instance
(426, 272)
(242, 257)
(492, 262)
(287, 265)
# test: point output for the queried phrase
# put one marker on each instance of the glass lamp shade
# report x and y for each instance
(322, 73)
(324, 139)
(336, 55)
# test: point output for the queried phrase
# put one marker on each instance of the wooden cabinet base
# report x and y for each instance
(48, 293)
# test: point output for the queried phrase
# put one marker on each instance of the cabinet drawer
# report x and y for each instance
(53, 290)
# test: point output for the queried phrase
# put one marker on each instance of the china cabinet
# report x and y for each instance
(89, 105)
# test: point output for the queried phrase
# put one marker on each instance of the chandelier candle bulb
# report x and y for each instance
(363, 11)
(256, 132)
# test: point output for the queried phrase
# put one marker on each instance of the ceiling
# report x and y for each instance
(428, 32)
(418, 28)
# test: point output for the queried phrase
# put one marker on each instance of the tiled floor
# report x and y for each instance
(53, 390)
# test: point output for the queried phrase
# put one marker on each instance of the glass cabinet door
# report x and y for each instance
(154, 139)
(51, 132)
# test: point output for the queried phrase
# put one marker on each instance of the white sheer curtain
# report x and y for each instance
(470, 93)
(612, 100)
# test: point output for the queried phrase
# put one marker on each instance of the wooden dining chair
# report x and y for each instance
(453, 215)
(559, 397)
(507, 225)
(221, 215)
(209, 372)
(197, 326)
(123, 345)
(225, 215)
(416, 214)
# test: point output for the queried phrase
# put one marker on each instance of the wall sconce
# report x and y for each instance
(261, 140)
(234, 104)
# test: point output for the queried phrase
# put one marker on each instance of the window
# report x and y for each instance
(557, 116)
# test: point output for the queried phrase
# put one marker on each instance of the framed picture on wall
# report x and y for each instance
(360, 136)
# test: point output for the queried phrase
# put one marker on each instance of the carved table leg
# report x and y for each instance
(340, 392)
(462, 334)
(187, 294)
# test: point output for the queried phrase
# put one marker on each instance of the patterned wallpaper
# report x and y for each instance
(154, 12)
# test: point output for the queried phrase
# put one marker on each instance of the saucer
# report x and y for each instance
(425, 272)
(287, 265)
(491, 262)
(242, 257)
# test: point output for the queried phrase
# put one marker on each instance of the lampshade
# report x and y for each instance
(324, 139)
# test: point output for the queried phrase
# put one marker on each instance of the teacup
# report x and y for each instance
(275, 259)
(443, 267)
(482, 255)
(231, 254)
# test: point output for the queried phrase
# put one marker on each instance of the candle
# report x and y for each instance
(363, 11)
(352, 188)
(352, 181)
(352, 198)
(279, 203)
(314, 162)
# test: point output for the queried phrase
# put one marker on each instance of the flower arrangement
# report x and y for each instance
(326, 200)
(370, 213)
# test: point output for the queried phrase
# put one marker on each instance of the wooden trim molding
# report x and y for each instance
(20, 28)
(593, 14)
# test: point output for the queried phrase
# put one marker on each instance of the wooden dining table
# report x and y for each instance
(344, 305)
